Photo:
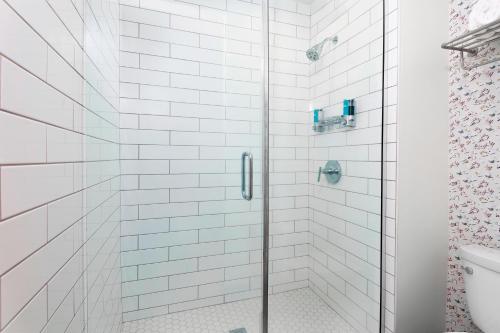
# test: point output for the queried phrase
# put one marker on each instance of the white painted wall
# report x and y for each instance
(59, 167)
(422, 191)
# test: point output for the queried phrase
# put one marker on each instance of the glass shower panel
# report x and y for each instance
(325, 223)
(191, 110)
(99, 173)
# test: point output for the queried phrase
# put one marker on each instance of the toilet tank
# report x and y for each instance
(481, 269)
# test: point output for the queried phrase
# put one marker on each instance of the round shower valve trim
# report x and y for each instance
(332, 172)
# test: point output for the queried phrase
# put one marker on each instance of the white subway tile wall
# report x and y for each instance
(345, 218)
(289, 29)
(190, 106)
(59, 166)
(390, 158)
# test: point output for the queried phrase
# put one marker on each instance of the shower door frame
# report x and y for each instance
(266, 164)
(265, 167)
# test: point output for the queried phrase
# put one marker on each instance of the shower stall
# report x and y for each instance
(191, 166)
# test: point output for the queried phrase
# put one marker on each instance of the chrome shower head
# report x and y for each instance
(314, 52)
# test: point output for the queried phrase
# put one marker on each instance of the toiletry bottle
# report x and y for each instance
(318, 113)
(345, 111)
(351, 108)
(350, 118)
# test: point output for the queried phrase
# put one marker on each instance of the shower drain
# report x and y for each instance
(239, 330)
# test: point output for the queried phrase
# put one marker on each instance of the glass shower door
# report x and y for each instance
(325, 176)
(191, 113)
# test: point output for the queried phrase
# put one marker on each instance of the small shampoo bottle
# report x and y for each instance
(318, 115)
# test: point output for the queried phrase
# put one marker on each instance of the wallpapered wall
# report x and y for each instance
(474, 212)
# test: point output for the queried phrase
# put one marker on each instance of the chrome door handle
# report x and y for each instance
(247, 195)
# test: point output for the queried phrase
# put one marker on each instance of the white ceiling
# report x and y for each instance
(306, 1)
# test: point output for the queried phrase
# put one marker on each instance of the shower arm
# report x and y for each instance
(333, 39)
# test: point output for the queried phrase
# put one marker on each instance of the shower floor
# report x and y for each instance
(298, 311)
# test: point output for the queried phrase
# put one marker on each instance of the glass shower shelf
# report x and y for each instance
(335, 122)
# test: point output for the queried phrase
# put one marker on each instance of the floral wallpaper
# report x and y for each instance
(474, 159)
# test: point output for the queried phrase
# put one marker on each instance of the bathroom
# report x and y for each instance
(249, 166)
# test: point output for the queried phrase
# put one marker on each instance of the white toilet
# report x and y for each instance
(481, 267)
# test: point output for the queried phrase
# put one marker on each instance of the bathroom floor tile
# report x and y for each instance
(299, 311)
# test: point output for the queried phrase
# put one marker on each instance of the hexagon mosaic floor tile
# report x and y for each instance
(299, 311)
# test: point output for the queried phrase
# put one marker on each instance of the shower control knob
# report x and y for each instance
(332, 172)
(327, 171)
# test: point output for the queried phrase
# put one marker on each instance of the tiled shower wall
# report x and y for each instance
(474, 163)
(59, 166)
(187, 115)
(289, 37)
(390, 160)
(345, 218)
(191, 105)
